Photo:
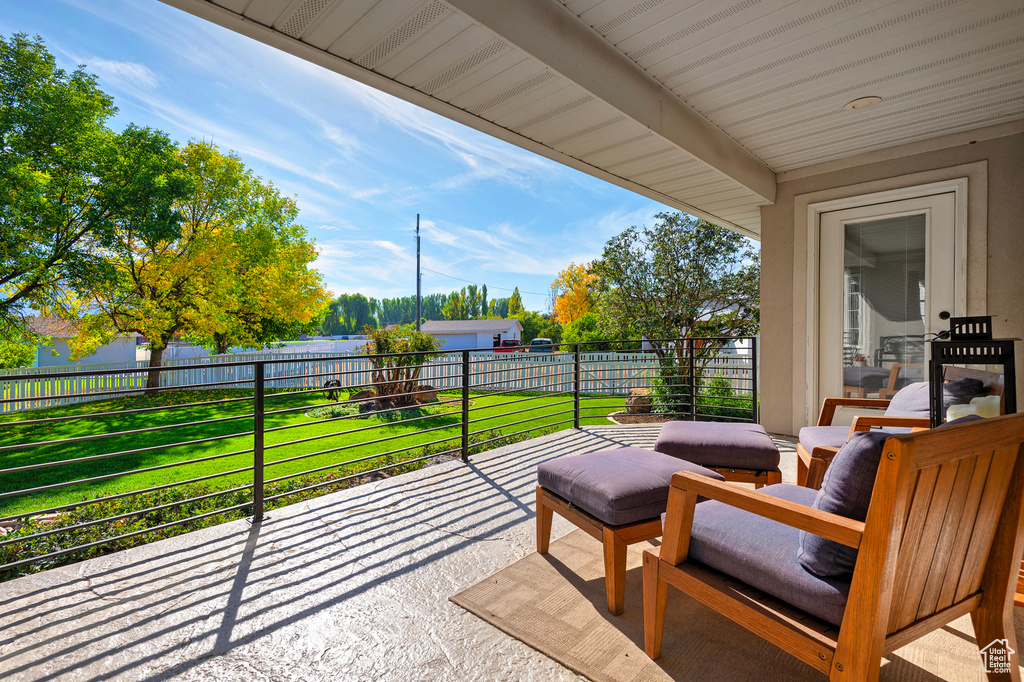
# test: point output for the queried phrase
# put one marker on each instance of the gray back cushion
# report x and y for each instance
(846, 491)
(913, 401)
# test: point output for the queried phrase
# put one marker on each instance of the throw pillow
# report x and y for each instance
(846, 491)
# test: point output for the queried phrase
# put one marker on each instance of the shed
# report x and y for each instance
(476, 334)
(120, 349)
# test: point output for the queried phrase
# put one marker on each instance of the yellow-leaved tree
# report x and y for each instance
(575, 286)
(235, 271)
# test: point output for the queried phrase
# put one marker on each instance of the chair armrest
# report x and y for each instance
(863, 422)
(828, 408)
(686, 486)
(821, 458)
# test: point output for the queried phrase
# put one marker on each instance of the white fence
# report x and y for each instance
(605, 373)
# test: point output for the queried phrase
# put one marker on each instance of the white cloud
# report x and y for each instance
(122, 73)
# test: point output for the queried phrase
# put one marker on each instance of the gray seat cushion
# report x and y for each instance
(763, 554)
(865, 377)
(817, 436)
(716, 444)
(846, 491)
(910, 401)
(617, 486)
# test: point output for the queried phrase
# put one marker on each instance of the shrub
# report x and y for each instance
(670, 390)
(717, 399)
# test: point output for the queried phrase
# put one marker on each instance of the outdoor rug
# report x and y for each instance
(556, 604)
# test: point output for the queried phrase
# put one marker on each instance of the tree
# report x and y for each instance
(683, 276)
(263, 289)
(455, 308)
(53, 210)
(587, 329)
(499, 308)
(395, 377)
(532, 323)
(550, 329)
(347, 314)
(485, 310)
(471, 297)
(574, 285)
(515, 304)
(14, 354)
(146, 287)
(235, 272)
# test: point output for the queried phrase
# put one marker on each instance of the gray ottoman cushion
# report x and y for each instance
(716, 444)
(616, 486)
(763, 554)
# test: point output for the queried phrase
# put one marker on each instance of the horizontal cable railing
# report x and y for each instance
(100, 459)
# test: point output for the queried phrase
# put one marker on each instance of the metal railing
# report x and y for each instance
(87, 478)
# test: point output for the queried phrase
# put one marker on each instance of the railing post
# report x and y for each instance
(257, 439)
(465, 406)
(753, 370)
(577, 380)
(693, 380)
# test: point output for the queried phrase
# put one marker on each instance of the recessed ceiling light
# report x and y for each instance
(862, 103)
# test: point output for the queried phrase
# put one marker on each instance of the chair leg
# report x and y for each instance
(801, 471)
(995, 624)
(655, 598)
(544, 515)
(615, 571)
(774, 477)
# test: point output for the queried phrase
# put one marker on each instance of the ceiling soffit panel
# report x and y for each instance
(775, 75)
(476, 75)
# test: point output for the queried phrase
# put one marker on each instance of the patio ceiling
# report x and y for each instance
(696, 104)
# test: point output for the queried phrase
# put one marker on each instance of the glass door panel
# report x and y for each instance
(885, 272)
(884, 293)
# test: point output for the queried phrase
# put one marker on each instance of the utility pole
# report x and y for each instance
(419, 277)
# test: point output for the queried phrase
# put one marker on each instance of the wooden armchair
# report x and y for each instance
(814, 456)
(943, 537)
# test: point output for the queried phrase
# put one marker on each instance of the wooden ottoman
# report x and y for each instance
(742, 453)
(617, 496)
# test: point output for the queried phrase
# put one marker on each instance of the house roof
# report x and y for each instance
(470, 326)
(696, 104)
(56, 328)
(53, 327)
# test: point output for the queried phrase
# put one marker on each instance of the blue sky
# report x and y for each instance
(361, 163)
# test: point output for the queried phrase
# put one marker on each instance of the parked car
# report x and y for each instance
(541, 345)
(510, 346)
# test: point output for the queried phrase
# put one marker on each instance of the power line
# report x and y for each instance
(469, 281)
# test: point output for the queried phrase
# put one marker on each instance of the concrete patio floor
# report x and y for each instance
(350, 586)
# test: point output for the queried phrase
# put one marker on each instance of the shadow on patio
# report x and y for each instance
(352, 585)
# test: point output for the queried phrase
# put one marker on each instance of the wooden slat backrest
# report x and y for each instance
(956, 480)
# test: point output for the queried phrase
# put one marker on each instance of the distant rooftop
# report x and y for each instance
(468, 326)
(56, 328)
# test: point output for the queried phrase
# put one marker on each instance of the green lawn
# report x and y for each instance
(179, 444)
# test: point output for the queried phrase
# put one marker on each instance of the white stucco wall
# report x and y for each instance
(473, 340)
(995, 251)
